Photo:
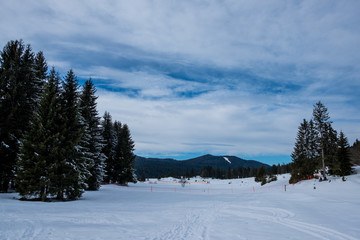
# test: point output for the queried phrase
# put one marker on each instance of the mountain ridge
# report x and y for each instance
(156, 167)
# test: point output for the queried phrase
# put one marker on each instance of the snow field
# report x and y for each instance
(217, 210)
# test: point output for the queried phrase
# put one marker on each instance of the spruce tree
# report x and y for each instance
(40, 149)
(343, 157)
(123, 158)
(322, 123)
(118, 164)
(19, 92)
(41, 70)
(305, 152)
(260, 174)
(70, 172)
(330, 147)
(128, 146)
(108, 147)
(355, 152)
(92, 139)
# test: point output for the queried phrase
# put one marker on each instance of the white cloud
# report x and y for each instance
(205, 123)
(275, 59)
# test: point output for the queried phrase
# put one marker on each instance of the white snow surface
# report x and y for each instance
(203, 209)
(226, 159)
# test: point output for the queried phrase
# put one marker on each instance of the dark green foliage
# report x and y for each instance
(41, 68)
(317, 145)
(108, 147)
(323, 127)
(50, 139)
(51, 162)
(127, 157)
(355, 153)
(118, 149)
(71, 172)
(92, 141)
(305, 154)
(207, 172)
(342, 156)
(20, 88)
(260, 174)
(40, 149)
(123, 159)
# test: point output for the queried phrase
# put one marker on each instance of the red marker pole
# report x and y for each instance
(151, 188)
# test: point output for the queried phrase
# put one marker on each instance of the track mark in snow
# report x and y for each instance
(195, 225)
(316, 230)
(32, 230)
(283, 217)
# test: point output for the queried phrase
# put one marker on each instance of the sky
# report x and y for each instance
(204, 77)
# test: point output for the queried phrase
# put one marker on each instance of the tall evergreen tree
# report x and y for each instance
(322, 122)
(330, 147)
(355, 152)
(108, 148)
(305, 152)
(70, 172)
(343, 157)
(41, 145)
(41, 71)
(123, 158)
(128, 156)
(118, 164)
(93, 140)
(19, 93)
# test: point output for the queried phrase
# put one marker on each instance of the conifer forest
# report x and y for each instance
(53, 143)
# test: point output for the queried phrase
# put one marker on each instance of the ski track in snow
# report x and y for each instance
(198, 223)
(31, 230)
(283, 217)
(195, 225)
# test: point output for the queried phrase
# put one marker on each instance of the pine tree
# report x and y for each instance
(342, 155)
(305, 152)
(41, 69)
(260, 174)
(70, 172)
(93, 140)
(124, 158)
(40, 149)
(355, 152)
(108, 147)
(118, 164)
(19, 93)
(321, 122)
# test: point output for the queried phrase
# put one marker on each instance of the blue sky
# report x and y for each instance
(197, 77)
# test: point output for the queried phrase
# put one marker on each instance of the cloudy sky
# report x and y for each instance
(195, 77)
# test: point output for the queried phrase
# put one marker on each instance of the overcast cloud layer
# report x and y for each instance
(193, 77)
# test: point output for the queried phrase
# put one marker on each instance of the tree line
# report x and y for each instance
(229, 173)
(319, 148)
(53, 144)
(243, 172)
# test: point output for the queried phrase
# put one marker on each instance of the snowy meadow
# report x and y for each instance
(202, 209)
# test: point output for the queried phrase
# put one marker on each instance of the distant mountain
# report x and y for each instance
(156, 167)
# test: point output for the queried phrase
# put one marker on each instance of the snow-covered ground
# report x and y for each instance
(221, 209)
